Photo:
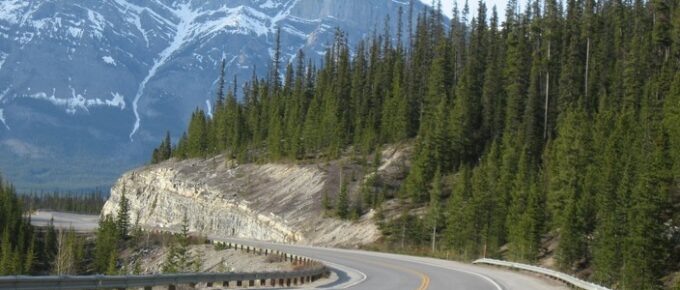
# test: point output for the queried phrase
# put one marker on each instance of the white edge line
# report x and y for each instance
(338, 266)
(308, 247)
(389, 256)
(410, 259)
(485, 277)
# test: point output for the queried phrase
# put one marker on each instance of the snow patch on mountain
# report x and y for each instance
(98, 22)
(241, 20)
(2, 118)
(10, 10)
(77, 101)
(269, 4)
(3, 57)
(182, 31)
(238, 20)
(108, 59)
(283, 14)
(208, 108)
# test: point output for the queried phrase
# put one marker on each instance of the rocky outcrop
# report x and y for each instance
(275, 202)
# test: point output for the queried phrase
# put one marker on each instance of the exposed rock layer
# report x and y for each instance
(275, 202)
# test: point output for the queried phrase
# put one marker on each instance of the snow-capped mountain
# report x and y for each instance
(88, 87)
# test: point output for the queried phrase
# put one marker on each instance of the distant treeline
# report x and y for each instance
(87, 203)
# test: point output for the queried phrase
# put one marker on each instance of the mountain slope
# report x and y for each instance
(87, 88)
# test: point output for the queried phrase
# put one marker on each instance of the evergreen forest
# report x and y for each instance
(83, 203)
(563, 121)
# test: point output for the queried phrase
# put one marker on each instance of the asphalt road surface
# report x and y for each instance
(62, 220)
(376, 271)
(371, 270)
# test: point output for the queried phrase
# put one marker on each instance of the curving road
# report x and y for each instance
(375, 271)
(371, 270)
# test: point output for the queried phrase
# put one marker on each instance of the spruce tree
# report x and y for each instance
(123, 217)
(342, 206)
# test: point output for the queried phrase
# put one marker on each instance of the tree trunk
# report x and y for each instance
(585, 90)
(434, 237)
(547, 97)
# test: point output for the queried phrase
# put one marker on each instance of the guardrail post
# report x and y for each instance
(148, 288)
(172, 287)
(263, 282)
(209, 284)
(272, 282)
(280, 282)
(225, 283)
(288, 282)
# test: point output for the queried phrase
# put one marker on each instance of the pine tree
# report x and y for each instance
(123, 217)
(112, 266)
(326, 202)
(434, 214)
(30, 259)
(6, 254)
(523, 228)
(671, 121)
(645, 240)
(179, 259)
(567, 185)
(459, 226)
(106, 244)
(197, 139)
(342, 206)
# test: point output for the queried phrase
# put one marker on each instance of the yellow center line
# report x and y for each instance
(424, 279)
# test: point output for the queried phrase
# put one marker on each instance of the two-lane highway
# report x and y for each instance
(372, 270)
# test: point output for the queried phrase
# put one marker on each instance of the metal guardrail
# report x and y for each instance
(547, 272)
(313, 271)
(147, 281)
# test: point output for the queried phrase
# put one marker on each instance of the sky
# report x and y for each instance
(447, 6)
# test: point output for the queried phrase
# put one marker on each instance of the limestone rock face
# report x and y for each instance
(274, 202)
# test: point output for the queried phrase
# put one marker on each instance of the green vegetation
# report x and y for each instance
(179, 259)
(18, 249)
(560, 122)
